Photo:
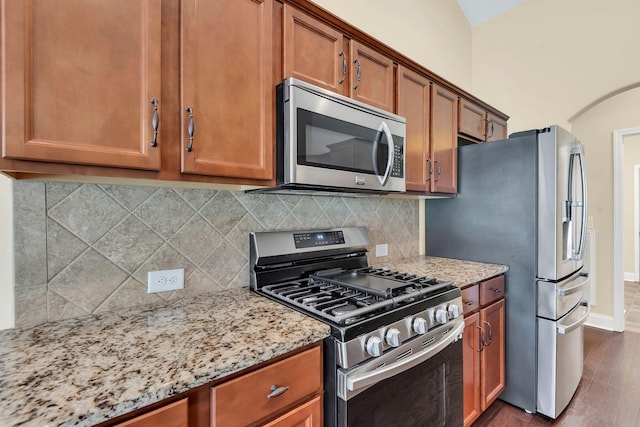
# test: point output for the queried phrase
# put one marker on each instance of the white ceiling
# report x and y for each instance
(478, 11)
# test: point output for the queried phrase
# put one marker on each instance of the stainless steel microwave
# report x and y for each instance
(328, 142)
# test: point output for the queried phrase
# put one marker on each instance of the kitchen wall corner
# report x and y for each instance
(87, 248)
(6, 254)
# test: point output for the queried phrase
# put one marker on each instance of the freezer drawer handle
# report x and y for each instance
(563, 330)
(575, 288)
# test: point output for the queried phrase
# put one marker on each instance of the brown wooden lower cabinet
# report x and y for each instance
(175, 414)
(306, 415)
(268, 392)
(483, 351)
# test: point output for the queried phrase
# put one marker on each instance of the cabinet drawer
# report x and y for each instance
(491, 290)
(244, 401)
(173, 415)
(470, 299)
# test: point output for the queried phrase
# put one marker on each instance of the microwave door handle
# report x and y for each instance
(384, 128)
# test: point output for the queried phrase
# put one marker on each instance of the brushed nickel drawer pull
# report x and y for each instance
(277, 391)
(497, 290)
(468, 302)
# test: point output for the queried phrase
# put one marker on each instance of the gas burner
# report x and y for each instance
(342, 310)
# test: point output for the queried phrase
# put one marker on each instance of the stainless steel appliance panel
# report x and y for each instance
(560, 364)
(560, 194)
(555, 299)
(343, 140)
(493, 219)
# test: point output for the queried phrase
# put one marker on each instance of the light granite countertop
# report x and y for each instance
(87, 370)
(462, 273)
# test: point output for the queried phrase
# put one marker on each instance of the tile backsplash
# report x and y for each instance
(87, 248)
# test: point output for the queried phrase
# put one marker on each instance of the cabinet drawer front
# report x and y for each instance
(173, 415)
(244, 400)
(491, 290)
(470, 299)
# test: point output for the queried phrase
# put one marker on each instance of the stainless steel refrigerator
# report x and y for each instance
(523, 202)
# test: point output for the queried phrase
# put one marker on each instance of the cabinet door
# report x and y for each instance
(496, 128)
(471, 120)
(371, 77)
(492, 358)
(227, 86)
(414, 95)
(471, 348)
(314, 52)
(444, 140)
(173, 415)
(306, 415)
(79, 77)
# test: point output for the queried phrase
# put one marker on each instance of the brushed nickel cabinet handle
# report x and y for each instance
(438, 170)
(344, 67)
(430, 170)
(482, 342)
(155, 122)
(277, 391)
(468, 302)
(358, 75)
(191, 128)
(489, 333)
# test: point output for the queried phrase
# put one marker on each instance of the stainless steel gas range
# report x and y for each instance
(394, 357)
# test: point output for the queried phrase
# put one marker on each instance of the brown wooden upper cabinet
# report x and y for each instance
(475, 123)
(73, 94)
(444, 140)
(321, 55)
(227, 88)
(431, 138)
(414, 103)
(77, 96)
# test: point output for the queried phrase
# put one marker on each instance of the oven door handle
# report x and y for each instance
(361, 381)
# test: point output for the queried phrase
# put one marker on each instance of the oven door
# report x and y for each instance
(417, 384)
(330, 140)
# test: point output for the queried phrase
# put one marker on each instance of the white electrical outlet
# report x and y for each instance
(382, 250)
(165, 280)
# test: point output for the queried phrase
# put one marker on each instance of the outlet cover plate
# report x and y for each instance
(165, 280)
(382, 250)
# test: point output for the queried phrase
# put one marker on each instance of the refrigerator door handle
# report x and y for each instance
(583, 229)
(565, 329)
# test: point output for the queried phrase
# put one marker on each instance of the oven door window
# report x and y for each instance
(429, 394)
(331, 143)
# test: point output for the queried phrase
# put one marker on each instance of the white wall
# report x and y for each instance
(595, 129)
(6, 254)
(434, 33)
(546, 60)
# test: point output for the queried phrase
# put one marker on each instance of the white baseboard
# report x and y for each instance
(600, 321)
(629, 277)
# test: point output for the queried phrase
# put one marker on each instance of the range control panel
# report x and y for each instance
(320, 238)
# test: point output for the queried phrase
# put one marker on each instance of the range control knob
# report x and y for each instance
(419, 325)
(441, 316)
(392, 337)
(454, 311)
(374, 346)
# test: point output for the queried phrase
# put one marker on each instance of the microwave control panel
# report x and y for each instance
(398, 164)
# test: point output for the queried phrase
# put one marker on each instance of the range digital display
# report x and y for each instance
(320, 238)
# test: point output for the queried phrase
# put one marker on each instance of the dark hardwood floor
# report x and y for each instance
(608, 394)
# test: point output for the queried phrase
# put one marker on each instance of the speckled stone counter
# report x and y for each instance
(86, 370)
(460, 272)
